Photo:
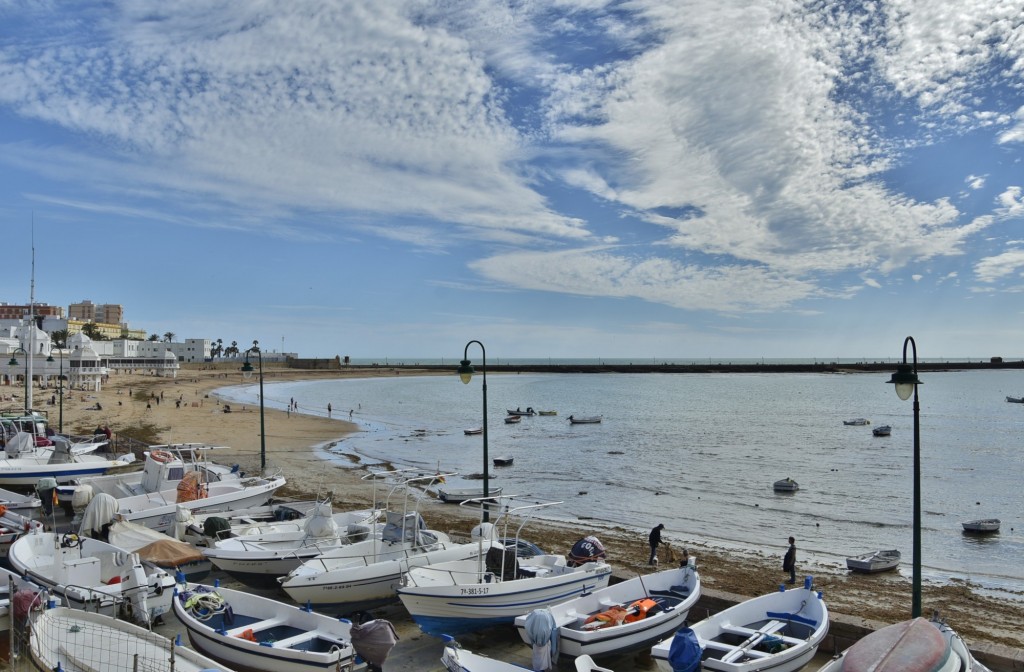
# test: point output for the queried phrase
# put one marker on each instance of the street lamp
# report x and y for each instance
(906, 382)
(14, 362)
(60, 377)
(247, 374)
(466, 372)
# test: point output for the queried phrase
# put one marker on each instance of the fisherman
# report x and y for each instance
(655, 540)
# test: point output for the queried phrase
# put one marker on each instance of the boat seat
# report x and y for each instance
(753, 638)
(303, 638)
(256, 627)
(771, 628)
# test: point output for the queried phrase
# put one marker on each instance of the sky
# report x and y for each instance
(570, 178)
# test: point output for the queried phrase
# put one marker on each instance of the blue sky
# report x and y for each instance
(570, 178)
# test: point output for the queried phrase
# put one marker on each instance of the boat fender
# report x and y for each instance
(161, 456)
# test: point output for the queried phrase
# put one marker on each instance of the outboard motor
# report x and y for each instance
(587, 549)
(373, 641)
(135, 588)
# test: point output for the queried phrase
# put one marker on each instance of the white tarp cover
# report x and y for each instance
(321, 524)
(151, 545)
(101, 510)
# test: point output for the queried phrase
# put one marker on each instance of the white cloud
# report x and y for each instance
(1016, 132)
(1011, 203)
(975, 181)
(916, 277)
(992, 269)
(871, 282)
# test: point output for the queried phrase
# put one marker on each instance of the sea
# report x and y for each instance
(700, 452)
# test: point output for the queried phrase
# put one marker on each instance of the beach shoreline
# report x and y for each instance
(186, 409)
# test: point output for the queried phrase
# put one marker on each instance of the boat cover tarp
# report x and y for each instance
(215, 525)
(502, 562)
(321, 524)
(151, 545)
(909, 646)
(409, 527)
(190, 488)
(542, 635)
(100, 511)
(587, 549)
(685, 652)
(374, 640)
(21, 442)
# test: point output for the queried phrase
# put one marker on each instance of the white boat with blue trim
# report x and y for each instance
(494, 588)
(780, 631)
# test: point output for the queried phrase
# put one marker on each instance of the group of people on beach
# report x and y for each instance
(654, 540)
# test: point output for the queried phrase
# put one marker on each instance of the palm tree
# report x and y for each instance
(168, 336)
(231, 350)
(153, 338)
(60, 338)
(218, 348)
(92, 331)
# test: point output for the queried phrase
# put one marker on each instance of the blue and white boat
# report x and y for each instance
(467, 595)
(780, 631)
(249, 632)
(23, 463)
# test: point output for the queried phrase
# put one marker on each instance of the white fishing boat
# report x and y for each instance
(265, 552)
(367, 573)
(20, 502)
(12, 526)
(163, 468)
(24, 463)
(496, 586)
(473, 431)
(205, 528)
(450, 495)
(157, 509)
(249, 632)
(93, 575)
(882, 430)
(626, 616)
(917, 645)
(780, 631)
(857, 422)
(67, 639)
(874, 562)
(513, 419)
(983, 526)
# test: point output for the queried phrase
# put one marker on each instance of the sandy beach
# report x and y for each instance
(188, 412)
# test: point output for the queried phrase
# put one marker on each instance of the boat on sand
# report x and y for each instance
(874, 562)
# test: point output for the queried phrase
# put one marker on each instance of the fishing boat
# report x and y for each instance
(205, 528)
(882, 430)
(874, 562)
(983, 526)
(67, 639)
(20, 502)
(1015, 400)
(171, 555)
(519, 412)
(266, 552)
(366, 574)
(547, 412)
(494, 587)
(917, 645)
(630, 615)
(785, 485)
(459, 495)
(23, 462)
(513, 419)
(249, 632)
(857, 422)
(584, 420)
(503, 461)
(94, 575)
(199, 490)
(473, 431)
(12, 526)
(780, 631)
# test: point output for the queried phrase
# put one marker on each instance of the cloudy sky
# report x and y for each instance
(566, 178)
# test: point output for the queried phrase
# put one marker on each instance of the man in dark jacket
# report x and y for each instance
(789, 562)
(655, 540)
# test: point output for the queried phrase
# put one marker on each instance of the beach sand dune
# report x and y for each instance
(188, 412)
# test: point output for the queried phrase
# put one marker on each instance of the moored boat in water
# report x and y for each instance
(982, 526)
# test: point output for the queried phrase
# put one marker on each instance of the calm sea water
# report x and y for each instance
(699, 452)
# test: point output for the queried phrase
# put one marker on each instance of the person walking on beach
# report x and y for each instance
(328, 409)
(655, 540)
(789, 562)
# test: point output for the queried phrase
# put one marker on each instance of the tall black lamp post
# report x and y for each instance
(466, 372)
(60, 378)
(247, 373)
(14, 362)
(906, 382)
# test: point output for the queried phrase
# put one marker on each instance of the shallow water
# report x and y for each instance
(699, 452)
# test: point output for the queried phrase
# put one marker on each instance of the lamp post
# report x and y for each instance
(466, 372)
(14, 362)
(906, 382)
(247, 373)
(60, 378)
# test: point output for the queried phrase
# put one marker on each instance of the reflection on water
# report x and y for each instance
(700, 453)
